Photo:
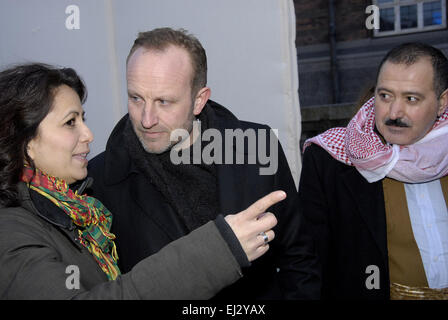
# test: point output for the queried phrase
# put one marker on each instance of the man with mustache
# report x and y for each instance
(376, 191)
(156, 201)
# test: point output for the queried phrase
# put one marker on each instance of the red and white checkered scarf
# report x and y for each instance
(360, 146)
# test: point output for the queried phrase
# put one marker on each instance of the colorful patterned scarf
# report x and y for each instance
(359, 145)
(90, 215)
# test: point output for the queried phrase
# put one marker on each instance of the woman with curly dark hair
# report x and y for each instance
(55, 241)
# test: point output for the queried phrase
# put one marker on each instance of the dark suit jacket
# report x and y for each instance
(347, 218)
(144, 221)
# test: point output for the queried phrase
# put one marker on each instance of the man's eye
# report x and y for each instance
(135, 98)
(384, 95)
(412, 99)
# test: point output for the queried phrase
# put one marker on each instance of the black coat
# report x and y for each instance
(348, 220)
(144, 222)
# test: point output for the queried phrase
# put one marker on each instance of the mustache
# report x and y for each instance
(396, 123)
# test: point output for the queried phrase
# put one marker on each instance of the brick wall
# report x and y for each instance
(312, 20)
(350, 19)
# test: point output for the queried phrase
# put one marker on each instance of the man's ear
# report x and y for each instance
(201, 99)
(443, 102)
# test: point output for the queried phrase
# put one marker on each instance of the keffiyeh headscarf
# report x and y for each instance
(360, 146)
(89, 214)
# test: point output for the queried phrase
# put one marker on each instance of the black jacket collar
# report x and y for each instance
(44, 208)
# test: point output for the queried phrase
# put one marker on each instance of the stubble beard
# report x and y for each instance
(187, 125)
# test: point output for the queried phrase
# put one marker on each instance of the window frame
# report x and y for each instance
(396, 4)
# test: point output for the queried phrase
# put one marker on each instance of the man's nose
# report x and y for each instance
(149, 116)
(397, 109)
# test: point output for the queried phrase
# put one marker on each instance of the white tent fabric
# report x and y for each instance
(250, 48)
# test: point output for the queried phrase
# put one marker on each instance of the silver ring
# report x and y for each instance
(265, 237)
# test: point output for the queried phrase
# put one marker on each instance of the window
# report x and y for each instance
(407, 16)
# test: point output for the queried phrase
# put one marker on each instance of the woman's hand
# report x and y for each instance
(253, 226)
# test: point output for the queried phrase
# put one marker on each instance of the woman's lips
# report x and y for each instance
(81, 157)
